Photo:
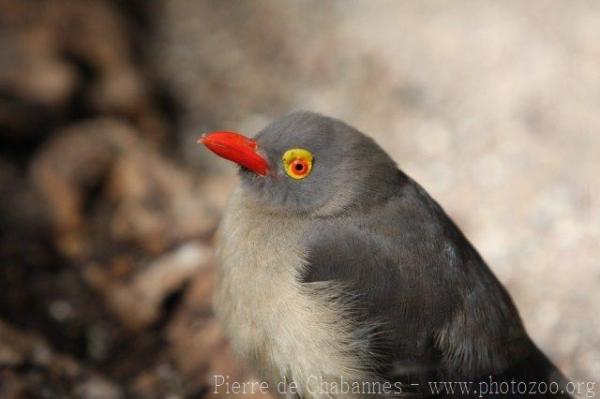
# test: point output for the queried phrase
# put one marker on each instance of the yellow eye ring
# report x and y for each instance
(297, 163)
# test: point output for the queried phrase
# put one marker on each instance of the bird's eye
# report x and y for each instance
(297, 163)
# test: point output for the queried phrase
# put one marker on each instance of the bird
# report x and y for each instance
(338, 273)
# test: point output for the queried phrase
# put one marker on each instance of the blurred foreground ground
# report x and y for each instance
(108, 206)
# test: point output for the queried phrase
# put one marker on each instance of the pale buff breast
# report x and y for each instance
(278, 325)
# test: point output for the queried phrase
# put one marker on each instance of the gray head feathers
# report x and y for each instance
(349, 168)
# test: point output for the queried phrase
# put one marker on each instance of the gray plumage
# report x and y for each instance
(355, 272)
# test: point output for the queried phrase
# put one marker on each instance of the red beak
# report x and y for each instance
(237, 148)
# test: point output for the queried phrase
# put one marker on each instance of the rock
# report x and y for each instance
(147, 199)
(138, 302)
(24, 223)
(60, 58)
(28, 367)
(73, 162)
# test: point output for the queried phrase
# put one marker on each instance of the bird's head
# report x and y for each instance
(308, 163)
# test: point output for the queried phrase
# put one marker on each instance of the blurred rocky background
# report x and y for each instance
(108, 207)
